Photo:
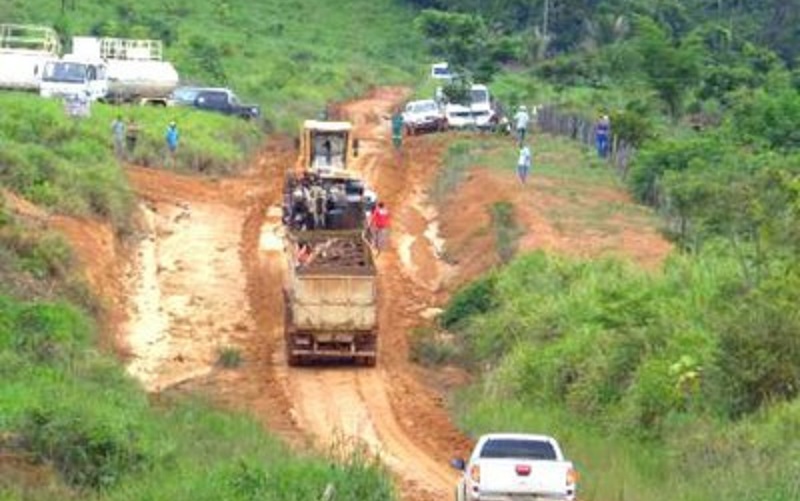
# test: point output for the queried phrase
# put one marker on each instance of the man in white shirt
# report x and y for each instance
(521, 119)
(524, 163)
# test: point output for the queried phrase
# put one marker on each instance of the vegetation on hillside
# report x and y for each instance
(292, 57)
(80, 428)
(683, 383)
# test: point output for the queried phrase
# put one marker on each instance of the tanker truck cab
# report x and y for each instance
(70, 77)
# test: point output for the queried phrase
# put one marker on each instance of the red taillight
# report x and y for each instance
(523, 470)
(475, 473)
(572, 476)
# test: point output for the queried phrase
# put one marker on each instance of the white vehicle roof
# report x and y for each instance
(517, 436)
(328, 126)
(441, 71)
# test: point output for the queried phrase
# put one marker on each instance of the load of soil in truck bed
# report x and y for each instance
(332, 252)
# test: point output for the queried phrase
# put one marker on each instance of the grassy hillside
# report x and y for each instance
(74, 426)
(650, 378)
(291, 56)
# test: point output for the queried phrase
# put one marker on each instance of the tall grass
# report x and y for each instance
(68, 164)
(650, 379)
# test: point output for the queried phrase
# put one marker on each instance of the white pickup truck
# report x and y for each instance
(516, 467)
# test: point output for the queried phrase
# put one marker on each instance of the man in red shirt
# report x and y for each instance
(379, 223)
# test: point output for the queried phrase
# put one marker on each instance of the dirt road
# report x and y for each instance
(207, 276)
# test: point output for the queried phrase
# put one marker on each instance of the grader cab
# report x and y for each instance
(326, 148)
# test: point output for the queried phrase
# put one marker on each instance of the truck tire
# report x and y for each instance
(370, 361)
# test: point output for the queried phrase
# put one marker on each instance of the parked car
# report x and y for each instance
(516, 466)
(441, 71)
(184, 96)
(477, 114)
(225, 101)
(423, 115)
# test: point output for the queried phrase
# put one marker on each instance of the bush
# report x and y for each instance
(759, 349)
(87, 451)
(46, 332)
(506, 229)
(474, 299)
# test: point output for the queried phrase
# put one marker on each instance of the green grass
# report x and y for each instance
(229, 357)
(68, 164)
(659, 386)
(290, 56)
(120, 447)
(506, 230)
(589, 194)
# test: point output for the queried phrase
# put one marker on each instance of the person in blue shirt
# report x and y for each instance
(118, 131)
(172, 137)
(602, 133)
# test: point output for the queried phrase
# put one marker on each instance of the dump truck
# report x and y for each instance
(331, 289)
(331, 298)
(24, 51)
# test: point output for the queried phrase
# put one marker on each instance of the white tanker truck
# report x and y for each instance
(115, 70)
(24, 51)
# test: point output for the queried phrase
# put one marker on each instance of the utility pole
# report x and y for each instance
(545, 18)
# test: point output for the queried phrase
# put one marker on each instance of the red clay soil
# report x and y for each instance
(471, 241)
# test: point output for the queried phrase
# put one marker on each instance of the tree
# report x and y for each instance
(461, 39)
(672, 67)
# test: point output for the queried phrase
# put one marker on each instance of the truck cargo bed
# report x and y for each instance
(331, 297)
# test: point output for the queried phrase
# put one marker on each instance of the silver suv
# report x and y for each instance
(423, 115)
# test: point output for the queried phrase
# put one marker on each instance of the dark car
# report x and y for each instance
(184, 96)
(225, 101)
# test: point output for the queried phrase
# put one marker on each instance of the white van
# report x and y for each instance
(478, 114)
(441, 71)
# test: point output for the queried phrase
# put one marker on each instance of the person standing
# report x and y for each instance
(524, 163)
(172, 137)
(131, 137)
(379, 223)
(521, 120)
(397, 129)
(602, 133)
(118, 132)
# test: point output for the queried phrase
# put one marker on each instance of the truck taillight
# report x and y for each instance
(475, 473)
(572, 476)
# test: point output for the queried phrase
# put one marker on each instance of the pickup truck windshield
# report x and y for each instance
(509, 448)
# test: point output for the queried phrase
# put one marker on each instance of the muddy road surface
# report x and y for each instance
(208, 269)
(207, 276)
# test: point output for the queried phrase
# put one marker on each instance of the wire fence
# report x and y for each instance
(579, 128)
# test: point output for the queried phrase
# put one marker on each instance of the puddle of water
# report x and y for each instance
(404, 246)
